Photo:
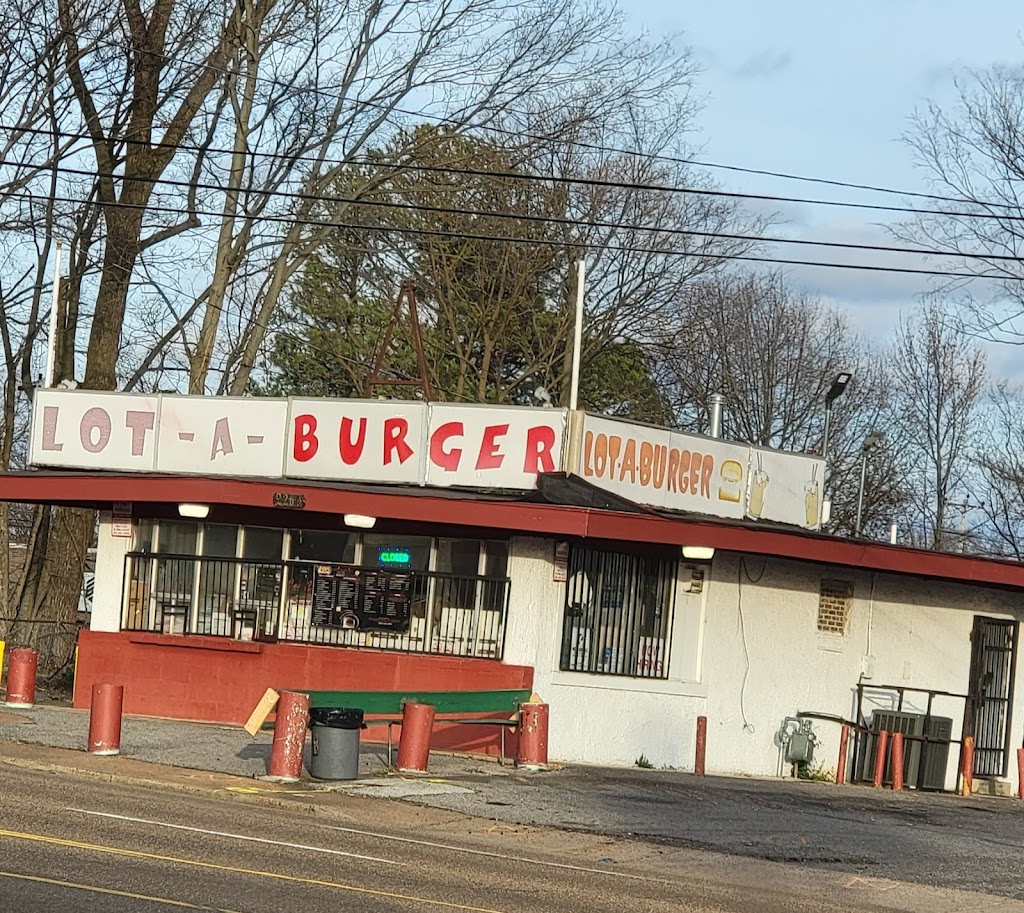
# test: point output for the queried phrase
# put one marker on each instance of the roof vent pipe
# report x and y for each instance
(715, 414)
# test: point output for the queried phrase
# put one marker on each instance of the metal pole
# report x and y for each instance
(577, 336)
(715, 414)
(51, 343)
(860, 493)
(827, 435)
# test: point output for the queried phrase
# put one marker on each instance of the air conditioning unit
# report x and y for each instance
(924, 763)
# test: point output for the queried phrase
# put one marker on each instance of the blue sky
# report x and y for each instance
(826, 89)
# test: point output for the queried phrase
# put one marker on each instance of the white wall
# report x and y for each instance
(110, 555)
(747, 653)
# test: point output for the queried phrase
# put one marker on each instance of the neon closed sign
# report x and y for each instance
(390, 557)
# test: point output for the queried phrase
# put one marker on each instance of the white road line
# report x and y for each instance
(200, 830)
(493, 855)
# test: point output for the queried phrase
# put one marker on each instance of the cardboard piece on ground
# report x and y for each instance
(263, 709)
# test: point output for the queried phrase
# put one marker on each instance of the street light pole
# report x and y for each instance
(870, 442)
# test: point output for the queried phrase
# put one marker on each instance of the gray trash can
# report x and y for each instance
(335, 754)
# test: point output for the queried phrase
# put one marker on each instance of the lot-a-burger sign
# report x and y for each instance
(435, 444)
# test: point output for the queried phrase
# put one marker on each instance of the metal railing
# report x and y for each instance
(618, 614)
(309, 602)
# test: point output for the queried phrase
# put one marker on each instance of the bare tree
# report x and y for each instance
(1000, 458)
(939, 375)
(972, 155)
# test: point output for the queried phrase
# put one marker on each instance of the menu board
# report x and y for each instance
(361, 599)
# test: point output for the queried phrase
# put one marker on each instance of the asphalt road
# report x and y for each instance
(73, 843)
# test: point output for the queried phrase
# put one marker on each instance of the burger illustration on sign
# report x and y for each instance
(730, 485)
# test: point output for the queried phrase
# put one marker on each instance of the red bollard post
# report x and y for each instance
(881, 744)
(289, 737)
(105, 719)
(702, 746)
(844, 744)
(21, 678)
(414, 744)
(1020, 773)
(967, 766)
(532, 750)
(897, 761)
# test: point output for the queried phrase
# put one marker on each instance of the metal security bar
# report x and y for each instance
(277, 600)
(618, 614)
(993, 662)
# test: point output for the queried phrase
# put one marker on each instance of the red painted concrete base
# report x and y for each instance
(21, 678)
(105, 719)
(532, 752)
(217, 680)
(289, 737)
(414, 746)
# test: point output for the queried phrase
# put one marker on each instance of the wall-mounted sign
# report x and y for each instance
(335, 440)
(687, 472)
(289, 500)
(121, 521)
(560, 569)
(385, 441)
(361, 600)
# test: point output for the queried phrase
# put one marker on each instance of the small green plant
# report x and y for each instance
(818, 772)
(643, 762)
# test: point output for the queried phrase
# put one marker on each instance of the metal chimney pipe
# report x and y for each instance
(715, 414)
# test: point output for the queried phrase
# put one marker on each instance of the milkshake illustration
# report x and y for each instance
(758, 484)
(812, 499)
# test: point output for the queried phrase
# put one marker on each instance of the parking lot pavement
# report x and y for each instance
(973, 844)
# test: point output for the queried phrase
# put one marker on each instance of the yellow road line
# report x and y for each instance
(217, 867)
(167, 901)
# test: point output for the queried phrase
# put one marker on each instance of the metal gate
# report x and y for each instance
(993, 662)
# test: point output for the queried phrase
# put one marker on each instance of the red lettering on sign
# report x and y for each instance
(695, 463)
(706, 473)
(351, 450)
(50, 414)
(540, 441)
(96, 419)
(646, 462)
(395, 431)
(629, 462)
(588, 446)
(448, 460)
(140, 423)
(221, 439)
(489, 456)
(614, 449)
(673, 469)
(305, 444)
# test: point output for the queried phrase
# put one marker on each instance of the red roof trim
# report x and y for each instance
(515, 516)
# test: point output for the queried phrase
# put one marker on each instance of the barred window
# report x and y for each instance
(834, 602)
(618, 614)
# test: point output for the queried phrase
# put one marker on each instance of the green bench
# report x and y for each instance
(385, 707)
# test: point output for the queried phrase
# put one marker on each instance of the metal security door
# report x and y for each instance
(993, 661)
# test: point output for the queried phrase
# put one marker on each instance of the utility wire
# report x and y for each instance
(532, 218)
(581, 245)
(593, 182)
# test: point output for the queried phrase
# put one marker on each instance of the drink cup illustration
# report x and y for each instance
(812, 502)
(758, 485)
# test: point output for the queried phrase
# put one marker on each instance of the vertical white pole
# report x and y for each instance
(51, 342)
(577, 336)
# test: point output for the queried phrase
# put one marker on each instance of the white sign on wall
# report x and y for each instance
(94, 430)
(214, 435)
(665, 468)
(356, 440)
(343, 440)
(688, 472)
(485, 447)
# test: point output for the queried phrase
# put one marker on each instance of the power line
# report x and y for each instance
(600, 182)
(538, 219)
(582, 245)
(519, 134)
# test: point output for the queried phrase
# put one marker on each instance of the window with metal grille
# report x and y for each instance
(618, 614)
(834, 600)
